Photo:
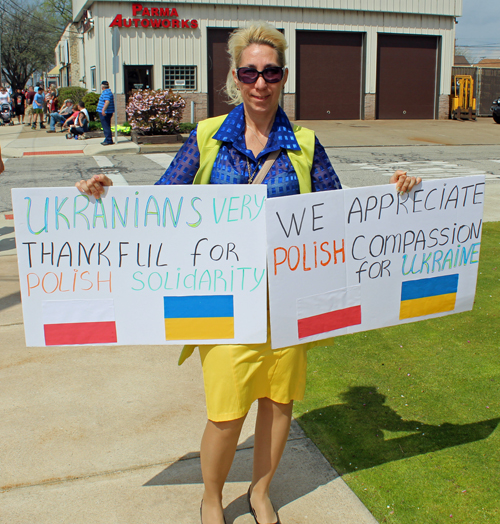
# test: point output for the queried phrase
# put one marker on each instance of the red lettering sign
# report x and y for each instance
(117, 21)
(160, 21)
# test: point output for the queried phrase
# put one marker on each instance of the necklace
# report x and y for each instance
(251, 175)
(258, 139)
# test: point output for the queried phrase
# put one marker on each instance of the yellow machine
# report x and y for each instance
(463, 103)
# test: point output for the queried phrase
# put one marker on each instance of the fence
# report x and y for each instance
(486, 85)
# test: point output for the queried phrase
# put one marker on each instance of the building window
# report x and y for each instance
(180, 78)
(92, 79)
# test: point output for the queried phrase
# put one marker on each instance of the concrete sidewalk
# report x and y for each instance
(19, 140)
(373, 133)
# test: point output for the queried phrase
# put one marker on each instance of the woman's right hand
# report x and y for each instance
(94, 186)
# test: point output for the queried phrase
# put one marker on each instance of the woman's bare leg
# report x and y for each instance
(271, 433)
(218, 447)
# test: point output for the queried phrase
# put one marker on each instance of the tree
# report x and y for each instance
(29, 34)
(466, 52)
(60, 9)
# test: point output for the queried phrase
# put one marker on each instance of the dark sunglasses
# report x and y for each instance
(249, 75)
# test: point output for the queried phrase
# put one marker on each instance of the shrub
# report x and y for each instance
(74, 93)
(155, 112)
(186, 127)
(91, 100)
(95, 126)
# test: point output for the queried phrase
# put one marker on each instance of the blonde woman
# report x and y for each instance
(237, 375)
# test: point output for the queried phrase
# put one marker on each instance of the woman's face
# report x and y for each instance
(260, 97)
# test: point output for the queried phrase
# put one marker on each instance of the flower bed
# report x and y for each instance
(155, 116)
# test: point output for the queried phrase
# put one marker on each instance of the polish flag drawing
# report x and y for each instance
(326, 312)
(71, 322)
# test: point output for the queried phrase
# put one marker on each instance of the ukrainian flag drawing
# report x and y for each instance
(427, 296)
(199, 317)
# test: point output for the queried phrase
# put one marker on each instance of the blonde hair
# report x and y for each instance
(261, 33)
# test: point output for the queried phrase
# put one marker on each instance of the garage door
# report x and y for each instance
(406, 76)
(329, 77)
(218, 66)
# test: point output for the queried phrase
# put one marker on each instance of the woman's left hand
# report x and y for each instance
(404, 183)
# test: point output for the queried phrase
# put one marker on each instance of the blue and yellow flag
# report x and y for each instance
(427, 296)
(201, 317)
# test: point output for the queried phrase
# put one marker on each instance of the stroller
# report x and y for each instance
(6, 115)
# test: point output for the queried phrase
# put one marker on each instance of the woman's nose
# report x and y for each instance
(260, 83)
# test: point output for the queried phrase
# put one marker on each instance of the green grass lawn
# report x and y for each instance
(409, 414)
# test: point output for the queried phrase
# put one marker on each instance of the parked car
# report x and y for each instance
(495, 108)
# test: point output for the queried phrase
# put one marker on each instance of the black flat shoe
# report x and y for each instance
(252, 511)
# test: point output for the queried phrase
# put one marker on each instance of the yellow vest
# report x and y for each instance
(302, 162)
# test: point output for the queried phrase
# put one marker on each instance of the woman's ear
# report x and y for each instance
(235, 78)
(285, 76)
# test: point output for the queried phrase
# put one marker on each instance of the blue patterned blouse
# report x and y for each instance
(234, 160)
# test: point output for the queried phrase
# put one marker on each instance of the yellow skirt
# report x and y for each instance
(237, 375)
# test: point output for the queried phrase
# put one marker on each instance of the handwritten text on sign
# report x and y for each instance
(142, 265)
(360, 259)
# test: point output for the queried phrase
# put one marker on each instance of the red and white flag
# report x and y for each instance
(71, 322)
(318, 314)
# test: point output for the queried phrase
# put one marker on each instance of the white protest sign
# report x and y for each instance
(142, 265)
(359, 259)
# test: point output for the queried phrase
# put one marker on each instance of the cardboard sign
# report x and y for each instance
(359, 259)
(142, 265)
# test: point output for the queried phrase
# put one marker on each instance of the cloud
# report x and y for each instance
(477, 28)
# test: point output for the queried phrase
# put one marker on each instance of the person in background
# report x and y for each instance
(4, 96)
(81, 125)
(2, 167)
(81, 105)
(38, 103)
(46, 104)
(105, 109)
(19, 103)
(59, 117)
(28, 104)
(71, 120)
(52, 105)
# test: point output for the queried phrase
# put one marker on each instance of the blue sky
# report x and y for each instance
(479, 28)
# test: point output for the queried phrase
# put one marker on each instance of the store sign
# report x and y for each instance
(154, 17)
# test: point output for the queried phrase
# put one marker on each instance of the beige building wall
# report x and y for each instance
(159, 47)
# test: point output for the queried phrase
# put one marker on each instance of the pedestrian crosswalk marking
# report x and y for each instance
(103, 161)
(117, 178)
(425, 169)
(161, 159)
